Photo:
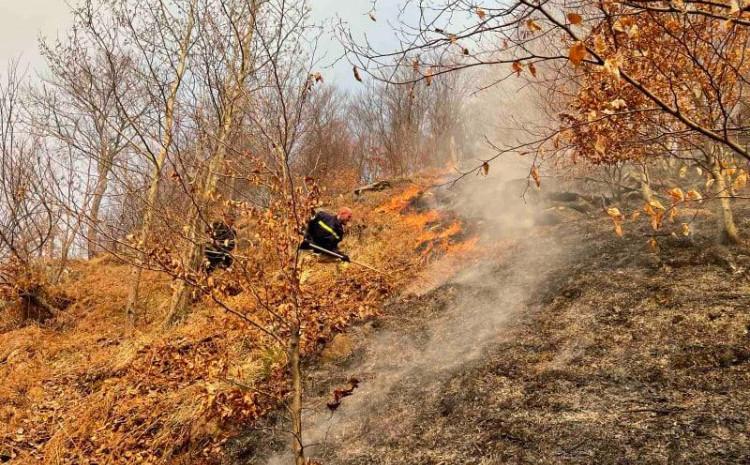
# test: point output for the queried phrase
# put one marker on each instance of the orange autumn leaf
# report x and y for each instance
(577, 53)
(535, 176)
(533, 26)
(517, 67)
(600, 145)
(676, 194)
(574, 18)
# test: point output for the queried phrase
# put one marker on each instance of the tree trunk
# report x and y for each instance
(153, 192)
(453, 152)
(65, 245)
(295, 409)
(51, 242)
(145, 232)
(727, 228)
(180, 301)
(646, 192)
(104, 167)
(194, 252)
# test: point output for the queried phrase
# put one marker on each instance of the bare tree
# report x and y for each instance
(156, 39)
(28, 218)
(76, 108)
(225, 48)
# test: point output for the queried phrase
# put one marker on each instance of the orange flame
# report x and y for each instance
(420, 220)
(462, 247)
(431, 235)
(399, 202)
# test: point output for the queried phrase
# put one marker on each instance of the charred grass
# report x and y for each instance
(623, 355)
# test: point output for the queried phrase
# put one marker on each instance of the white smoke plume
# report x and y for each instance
(497, 207)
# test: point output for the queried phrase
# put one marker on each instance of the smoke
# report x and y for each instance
(504, 209)
(488, 295)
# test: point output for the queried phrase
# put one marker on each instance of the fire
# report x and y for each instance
(399, 202)
(452, 230)
(438, 237)
(434, 235)
(421, 220)
(462, 247)
(455, 257)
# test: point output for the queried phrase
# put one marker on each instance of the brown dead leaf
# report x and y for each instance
(653, 245)
(517, 67)
(535, 176)
(692, 194)
(428, 76)
(676, 194)
(600, 145)
(740, 181)
(577, 53)
(574, 18)
(600, 45)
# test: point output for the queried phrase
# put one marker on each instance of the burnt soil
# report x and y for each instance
(615, 355)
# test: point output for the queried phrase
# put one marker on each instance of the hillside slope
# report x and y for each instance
(90, 386)
(572, 346)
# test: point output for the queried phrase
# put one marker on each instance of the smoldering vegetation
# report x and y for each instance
(554, 344)
(434, 332)
(440, 328)
(563, 347)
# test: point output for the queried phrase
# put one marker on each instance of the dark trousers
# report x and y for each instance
(217, 259)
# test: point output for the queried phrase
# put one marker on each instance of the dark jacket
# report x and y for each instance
(223, 237)
(324, 230)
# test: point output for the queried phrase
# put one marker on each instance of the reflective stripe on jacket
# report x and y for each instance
(325, 230)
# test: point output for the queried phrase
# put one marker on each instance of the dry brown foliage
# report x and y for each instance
(87, 388)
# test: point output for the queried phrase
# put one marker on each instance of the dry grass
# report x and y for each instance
(90, 387)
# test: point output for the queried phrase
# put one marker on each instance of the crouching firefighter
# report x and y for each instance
(223, 239)
(325, 231)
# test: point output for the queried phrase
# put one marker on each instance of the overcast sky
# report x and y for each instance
(23, 21)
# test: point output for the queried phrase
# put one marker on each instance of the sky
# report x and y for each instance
(22, 22)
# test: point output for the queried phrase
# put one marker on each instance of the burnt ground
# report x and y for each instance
(574, 346)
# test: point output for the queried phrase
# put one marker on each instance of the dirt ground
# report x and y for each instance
(573, 346)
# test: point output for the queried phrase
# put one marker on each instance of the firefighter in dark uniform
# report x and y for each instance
(223, 239)
(326, 230)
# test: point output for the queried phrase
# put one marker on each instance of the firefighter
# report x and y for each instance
(223, 238)
(325, 231)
